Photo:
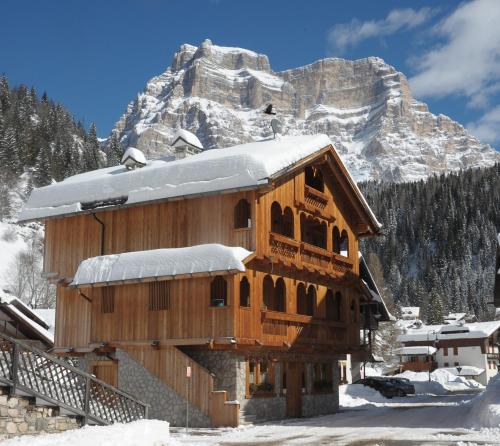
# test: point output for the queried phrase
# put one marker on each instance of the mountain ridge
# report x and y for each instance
(365, 106)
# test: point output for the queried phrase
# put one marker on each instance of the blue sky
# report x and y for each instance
(95, 55)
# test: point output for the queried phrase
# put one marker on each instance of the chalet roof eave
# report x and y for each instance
(155, 279)
(262, 184)
(374, 225)
(27, 327)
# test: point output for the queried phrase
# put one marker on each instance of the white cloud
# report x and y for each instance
(345, 35)
(467, 62)
(487, 128)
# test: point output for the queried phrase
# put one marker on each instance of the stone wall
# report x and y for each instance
(165, 403)
(18, 416)
(228, 368)
(230, 375)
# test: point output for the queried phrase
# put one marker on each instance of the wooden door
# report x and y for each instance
(106, 371)
(294, 371)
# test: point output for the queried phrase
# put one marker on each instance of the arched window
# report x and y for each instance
(337, 315)
(344, 243)
(311, 300)
(313, 231)
(280, 295)
(314, 178)
(244, 292)
(330, 305)
(288, 223)
(242, 217)
(268, 292)
(336, 240)
(218, 292)
(301, 299)
(276, 218)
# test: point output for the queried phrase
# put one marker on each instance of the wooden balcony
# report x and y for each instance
(292, 328)
(315, 203)
(420, 366)
(285, 247)
(292, 251)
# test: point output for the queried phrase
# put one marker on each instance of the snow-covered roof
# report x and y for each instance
(22, 313)
(48, 315)
(410, 312)
(188, 137)
(465, 370)
(133, 156)
(451, 317)
(416, 350)
(235, 168)
(160, 263)
(474, 330)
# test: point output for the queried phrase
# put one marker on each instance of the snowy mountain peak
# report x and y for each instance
(364, 105)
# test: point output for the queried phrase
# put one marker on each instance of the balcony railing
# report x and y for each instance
(293, 250)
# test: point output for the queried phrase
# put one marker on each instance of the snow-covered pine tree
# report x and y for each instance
(114, 152)
(92, 153)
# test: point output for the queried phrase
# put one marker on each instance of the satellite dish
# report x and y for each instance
(276, 126)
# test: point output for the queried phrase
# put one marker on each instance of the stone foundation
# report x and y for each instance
(165, 403)
(18, 416)
(230, 375)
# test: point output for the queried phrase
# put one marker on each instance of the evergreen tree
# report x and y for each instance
(92, 153)
(114, 150)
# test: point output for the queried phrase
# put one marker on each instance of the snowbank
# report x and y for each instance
(355, 395)
(138, 433)
(442, 382)
(485, 408)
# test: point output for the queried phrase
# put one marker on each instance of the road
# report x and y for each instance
(420, 420)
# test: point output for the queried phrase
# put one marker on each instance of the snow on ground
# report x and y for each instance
(442, 382)
(138, 433)
(11, 243)
(485, 410)
(430, 420)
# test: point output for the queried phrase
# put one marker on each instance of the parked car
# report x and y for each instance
(403, 384)
(388, 387)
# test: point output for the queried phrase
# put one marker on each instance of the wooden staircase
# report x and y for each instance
(169, 364)
(28, 371)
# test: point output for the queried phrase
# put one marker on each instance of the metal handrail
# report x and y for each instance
(62, 384)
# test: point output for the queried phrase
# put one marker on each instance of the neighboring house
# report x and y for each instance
(228, 278)
(352, 367)
(19, 321)
(410, 313)
(462, 345)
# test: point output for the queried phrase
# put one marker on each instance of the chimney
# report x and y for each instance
(186, 144)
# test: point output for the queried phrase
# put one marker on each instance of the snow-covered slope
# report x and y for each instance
(365, 106)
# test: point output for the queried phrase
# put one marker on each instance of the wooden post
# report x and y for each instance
(86, 403)
(15, 367)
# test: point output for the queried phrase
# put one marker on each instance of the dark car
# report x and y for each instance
(403, 384)
(388, 387)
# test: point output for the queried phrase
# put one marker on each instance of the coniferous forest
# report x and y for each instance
(439, 245)
(40, 138)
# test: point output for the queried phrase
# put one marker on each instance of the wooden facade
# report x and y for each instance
(300, 292)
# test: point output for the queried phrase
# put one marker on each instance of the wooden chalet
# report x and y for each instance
(240, 264)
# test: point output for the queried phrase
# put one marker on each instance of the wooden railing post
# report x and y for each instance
(15, 367)
(86, 403)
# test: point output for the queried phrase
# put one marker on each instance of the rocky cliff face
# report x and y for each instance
(365, 106)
